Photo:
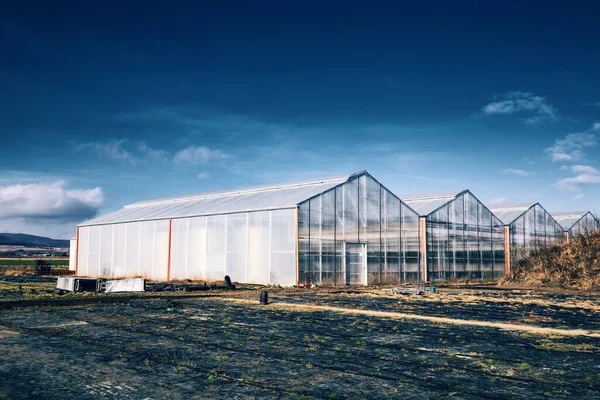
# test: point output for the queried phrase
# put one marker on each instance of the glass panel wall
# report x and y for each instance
(532, 231)
(464, 241)
(586, 224)
(360, 211)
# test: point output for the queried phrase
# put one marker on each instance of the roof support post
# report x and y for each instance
(77, 252)
(423, 248)
(169, 251)
(507, 249)
(297, 218)
(567, 237)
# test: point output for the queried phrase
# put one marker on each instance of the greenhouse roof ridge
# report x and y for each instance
(567, 219)
(565, 214)
(426, 203)
(251, 199)
(431, 195)
(246, 190)
(512, 206)
(508, 212)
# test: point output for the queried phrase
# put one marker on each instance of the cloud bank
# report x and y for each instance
(518, 172)
(584, 175)
(572, 147)
(522, 102)
(197, 155)
(49, 201)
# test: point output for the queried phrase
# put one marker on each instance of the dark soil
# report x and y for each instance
(519, 306)
(212, 348)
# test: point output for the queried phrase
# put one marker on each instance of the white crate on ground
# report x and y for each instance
(126, 285)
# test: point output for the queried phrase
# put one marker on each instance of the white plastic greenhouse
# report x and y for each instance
(252, 235)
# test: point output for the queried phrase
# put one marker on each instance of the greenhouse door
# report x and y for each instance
(356, 266)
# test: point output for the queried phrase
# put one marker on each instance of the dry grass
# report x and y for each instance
(574, 265)
(531, 329)
(27, 271)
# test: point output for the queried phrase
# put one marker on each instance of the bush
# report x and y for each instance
(569, 265)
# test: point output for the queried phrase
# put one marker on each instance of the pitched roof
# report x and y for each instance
(426, 203)
(567, 219)
(257, 198)
(509, 212)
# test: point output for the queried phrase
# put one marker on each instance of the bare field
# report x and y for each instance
(335, 344)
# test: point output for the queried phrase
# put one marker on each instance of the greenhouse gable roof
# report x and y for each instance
(567, 219)
(258, 198)
(426, 203)
(509, 212)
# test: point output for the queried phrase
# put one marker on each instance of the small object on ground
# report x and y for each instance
(264, 297)
(432, 289)
(8, 334)
(42, 267)
(125, 285)
(230, 285)
(406, 291)
(76, 284)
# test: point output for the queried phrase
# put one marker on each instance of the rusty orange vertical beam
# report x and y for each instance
(507, 249)
(566, 237)
(169, 253)
(423, 247)
(297, 247)
(77, 251)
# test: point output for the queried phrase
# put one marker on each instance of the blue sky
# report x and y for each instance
(107, 104)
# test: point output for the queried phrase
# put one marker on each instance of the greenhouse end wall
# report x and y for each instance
(586, 224)
(253, 247)
(357, 233)
(532, 231)
(464, 240)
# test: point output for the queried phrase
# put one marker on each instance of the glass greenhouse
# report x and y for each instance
(342, 230)
(530, 228)
(463, 239)
(360, 225)
(576, 222)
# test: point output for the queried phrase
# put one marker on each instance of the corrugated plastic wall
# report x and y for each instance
(254, 247)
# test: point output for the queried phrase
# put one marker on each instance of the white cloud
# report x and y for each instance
(579, 196)
(499, 200)
(126, 152)
(522, 102)
(147, 153)
(49, 201)
(572, 147)
(585, 169)
(517, 172)
(198, 155)
(585, 175)
(203, 175)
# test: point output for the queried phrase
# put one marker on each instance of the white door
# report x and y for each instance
(356, 264)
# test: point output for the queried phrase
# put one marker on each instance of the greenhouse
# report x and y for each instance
(576, 222)
(529, 228)
(461, 237)
(341, 230)
(361, 225)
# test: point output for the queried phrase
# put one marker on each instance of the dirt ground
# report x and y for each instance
(332, 344)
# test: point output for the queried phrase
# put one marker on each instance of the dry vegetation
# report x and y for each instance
(358, 343)
(574, 265)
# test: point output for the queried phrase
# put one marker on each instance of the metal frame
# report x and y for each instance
(364, 262)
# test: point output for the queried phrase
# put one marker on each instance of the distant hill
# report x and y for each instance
(20, 239)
